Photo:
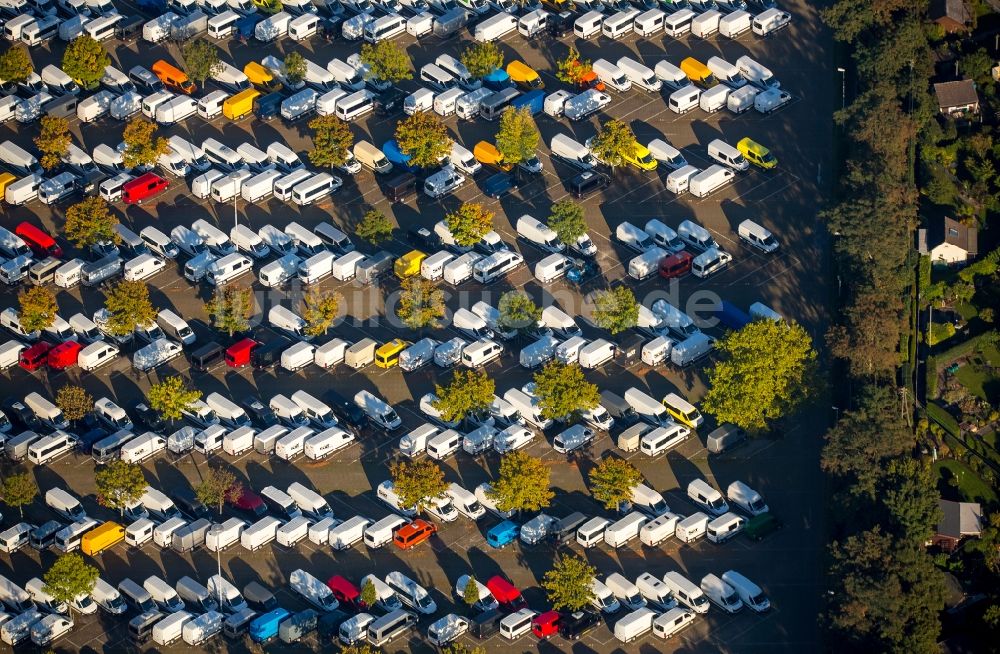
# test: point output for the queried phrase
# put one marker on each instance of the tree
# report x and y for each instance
(518, 311)
(563, 391)
(469, 223)
(218, 486)
(19, 490)
(614, 141)
(571, 69)
(424, 138)
(470, 392)
(295, 68)
(68, 578)
(15, 65)
(359, 649)
(320, 309)
(53, 141)
(74, 401)
(38, 308)
(231, 308)
(386, 61)
(523, 484)
(129, 307)
(481, 59)
(201, 59)
(517, 137)
(171, 397)
(416, 482)
(567, 584)
(616, 309)
(768, 370)
(142, 146)
(470, 595)
(421, 303)
(612, 481)
(911, 500)
(119, 484)
(85, 60)
(462, 648)
(332, 141)
(566, 219)
(368, 594)
(90, 221)
(374, 227)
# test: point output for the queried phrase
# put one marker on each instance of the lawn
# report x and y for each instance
(966, 310)
(971, 488)
(975, 376)
(991, 354)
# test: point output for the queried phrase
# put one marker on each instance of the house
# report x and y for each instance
(952, 15)
(950, 243)
(957, 98)
(959, 520)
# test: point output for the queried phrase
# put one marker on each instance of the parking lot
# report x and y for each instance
(782, 466)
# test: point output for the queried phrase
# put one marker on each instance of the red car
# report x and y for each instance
(143, 188)
(413, 534)
(249, 502)
(238, 354)
(35, 356)
(546, 624)
(345, 591)
(507, 594)
(42, 245)
(64, 355)
(676, 265)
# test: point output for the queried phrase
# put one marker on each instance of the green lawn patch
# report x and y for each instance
(941, 331)
(940, 415)
(967, 311)
(974, 378)
(991, 353)
(971, 487)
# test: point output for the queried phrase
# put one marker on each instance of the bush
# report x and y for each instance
(940, 332)
(938, 414)
(932, 377)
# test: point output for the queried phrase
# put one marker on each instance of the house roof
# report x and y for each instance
(960, 519)
(953, 9)
(960, 93)
(954, 233)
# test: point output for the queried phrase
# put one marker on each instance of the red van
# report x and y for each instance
(64, 355)
(42, 245)
(676, 265)
(35, 356)
(345, 591)
(238, 354)
(507, 594)
(413, 534)
(546, 624)
(143, 187)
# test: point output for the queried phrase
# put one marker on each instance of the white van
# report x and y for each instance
(686, 591)
(619, 24)
(612, 76)
(684, 99)
(481, 352)
(640, 74)
(727, 155)
(724, 527)
(678, 23)
(671, 622)
(228, 268)
(314, 188)
(749, 593)
(355, 105)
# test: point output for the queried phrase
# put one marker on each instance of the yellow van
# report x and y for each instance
(6, 179)
(240, 105)
(261, 77)
(642, 158)
(487, 154)
(387, 356)
(699, 74)
(101, 538)
(756, 153)
(524, 76)
(408, 265)
(682, 411)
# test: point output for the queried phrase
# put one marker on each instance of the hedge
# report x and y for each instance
(966, 348)
(931, 382)
(938, 414)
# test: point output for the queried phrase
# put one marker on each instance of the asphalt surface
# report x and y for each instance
(782, 467)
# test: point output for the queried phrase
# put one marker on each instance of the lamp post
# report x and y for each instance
(843, 86)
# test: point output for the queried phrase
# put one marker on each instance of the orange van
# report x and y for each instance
(174, 78)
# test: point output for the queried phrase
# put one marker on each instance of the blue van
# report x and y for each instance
(502, 534)
(392, 152)
(245, 27)
(498, 80)
(266, 626)
(731, 316)
(268, 106)
(534, 100)
(88, 438)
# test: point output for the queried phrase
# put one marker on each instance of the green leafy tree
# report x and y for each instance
(567, 584)
(142, 146)
(68, 578)
(368, 594)
(469, 223)
(386, 61)
(320, 310)
(470, 392)
(614, 141)
(129, 306)
(571, 68)
(119, 484)
(90, 221)
(217, 486)
(616, 309)
(481, 59)
(53, 141)
(38, 308)
(295, 68)
(421, 303)
(19, 490)
(84, 59)
(424, 138)
(461, 648)
(470, 595)
(518, 311)
(612, 481)
(201, 59)
(563, 392)
(374, 227)
(171, 397)
(231, 308)
(768, 370)
(523, 484)
(976, 66)
(517, 137)
(911, 500)
(74, 401)
(566, 219)
(15, 65)
(416, 482)
(359, 649)
(332, 141)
